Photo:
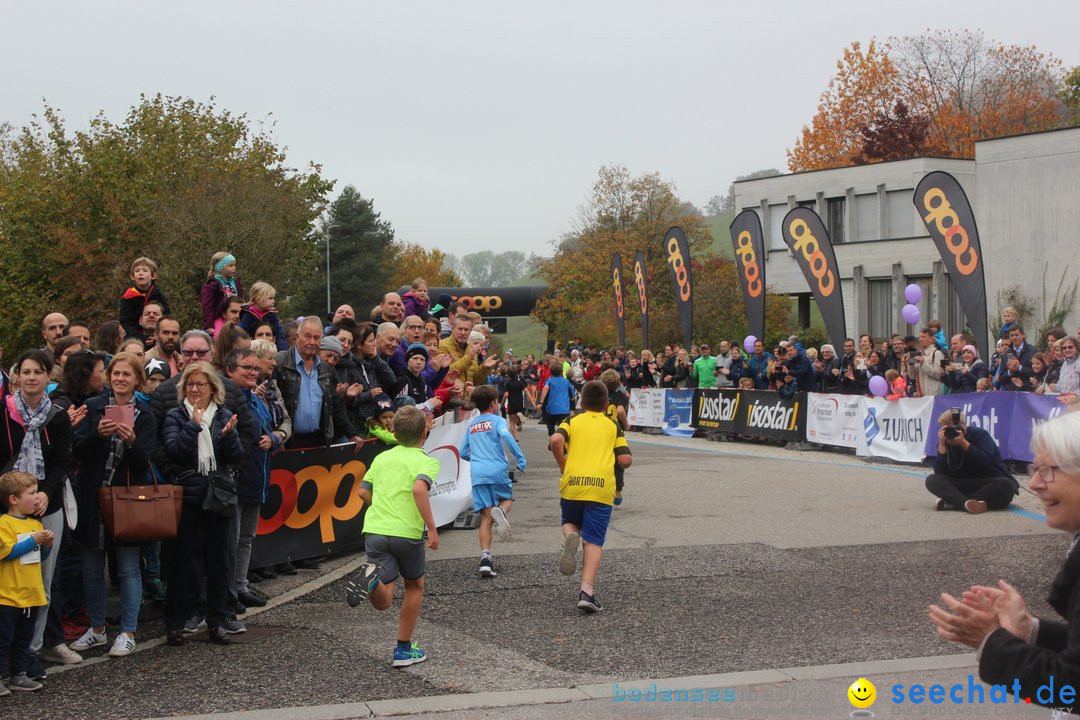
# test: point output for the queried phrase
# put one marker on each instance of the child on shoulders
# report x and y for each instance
(221, 285)
(143, 273)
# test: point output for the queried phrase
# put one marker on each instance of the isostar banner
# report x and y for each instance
(313, 507)
(809, 242)
(946, 212)
(749, 244)
(678, 259)
(620, 309)
(714, 409)
(643, 298)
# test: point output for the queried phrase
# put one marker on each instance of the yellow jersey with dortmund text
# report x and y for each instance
(593, 441)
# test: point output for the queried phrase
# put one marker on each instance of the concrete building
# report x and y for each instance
(1023, 187)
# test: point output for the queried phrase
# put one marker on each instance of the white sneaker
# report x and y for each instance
(123, 645)
(90, 639)
(502, 525)
(61, 654)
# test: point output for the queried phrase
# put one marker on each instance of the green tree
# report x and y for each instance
(176, 180)
(361, 255)
(1070, 95)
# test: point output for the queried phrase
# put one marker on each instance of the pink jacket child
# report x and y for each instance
(221, 284)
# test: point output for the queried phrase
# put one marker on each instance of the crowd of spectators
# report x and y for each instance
(248, 383)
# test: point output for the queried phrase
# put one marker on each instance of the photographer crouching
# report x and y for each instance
(969, 473)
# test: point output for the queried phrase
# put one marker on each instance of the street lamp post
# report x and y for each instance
(328, 310)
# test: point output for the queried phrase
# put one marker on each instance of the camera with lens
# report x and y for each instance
(953, 431)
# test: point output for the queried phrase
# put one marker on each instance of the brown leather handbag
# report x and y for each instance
(141, 513)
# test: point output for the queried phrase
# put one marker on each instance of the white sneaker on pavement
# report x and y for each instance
(61, 654)
(89, 639)
(123, 645)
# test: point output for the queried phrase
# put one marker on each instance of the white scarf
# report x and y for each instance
(207, 461)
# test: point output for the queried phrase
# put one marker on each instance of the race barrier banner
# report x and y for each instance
(314, 507)
(756, 413)
(895, 429)
(1009, 417)
(833, 419)
(646, 407)
(678, 412)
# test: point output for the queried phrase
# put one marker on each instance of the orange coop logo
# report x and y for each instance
(641, 288)
(807, 245)
(481, 303)
(616, 280)
(944, 218)
(751, 269)
(678, 264)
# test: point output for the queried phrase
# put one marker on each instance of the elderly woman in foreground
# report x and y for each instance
(1012, 644)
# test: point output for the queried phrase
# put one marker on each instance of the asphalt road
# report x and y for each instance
(725, 558)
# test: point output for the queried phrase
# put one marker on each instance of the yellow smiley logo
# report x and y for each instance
(862, 693)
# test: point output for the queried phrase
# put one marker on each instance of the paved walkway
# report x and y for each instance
(775, 577)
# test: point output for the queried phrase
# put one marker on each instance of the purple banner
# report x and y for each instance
(1009, 417)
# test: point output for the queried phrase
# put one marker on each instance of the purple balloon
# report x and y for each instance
(748, 343)
(911, 314)
(879, 386)
(913, 294)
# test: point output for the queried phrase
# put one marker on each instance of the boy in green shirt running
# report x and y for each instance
(396, 489)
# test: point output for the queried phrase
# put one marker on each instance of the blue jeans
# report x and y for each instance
(93, 572)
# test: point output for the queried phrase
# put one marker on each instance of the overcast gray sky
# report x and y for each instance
(481, 125)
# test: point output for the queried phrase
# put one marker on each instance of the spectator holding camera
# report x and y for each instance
(964, 376)
(969, 473)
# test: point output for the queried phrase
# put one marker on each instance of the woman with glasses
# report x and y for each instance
(112, 452)
(200, 437)
(1068, 380)
(1014, 646)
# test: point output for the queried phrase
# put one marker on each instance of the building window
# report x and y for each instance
(880, 311)
(834, 209)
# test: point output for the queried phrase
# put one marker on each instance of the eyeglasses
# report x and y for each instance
(1045, 472)
(198, 385)
(414, 327)
(194, 353)
(248, 368)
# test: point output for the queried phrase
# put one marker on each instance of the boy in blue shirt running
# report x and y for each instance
(492, 491)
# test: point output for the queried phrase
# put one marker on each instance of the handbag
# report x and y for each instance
(141, 513)
(221, 492)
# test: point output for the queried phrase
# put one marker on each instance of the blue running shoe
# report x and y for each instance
(411, 656)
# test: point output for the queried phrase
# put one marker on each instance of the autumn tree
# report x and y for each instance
(866, 84)
(175, 180)
(968, 88)
(1070, 96)
(893, 136)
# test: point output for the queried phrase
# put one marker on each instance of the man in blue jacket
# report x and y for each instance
(969, 473)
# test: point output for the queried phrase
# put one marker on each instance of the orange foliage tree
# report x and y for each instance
(968, 88)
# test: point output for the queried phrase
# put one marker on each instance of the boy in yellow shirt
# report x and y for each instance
(21, 589)
(587, 447)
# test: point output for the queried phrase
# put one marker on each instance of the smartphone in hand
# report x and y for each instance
(121, 414)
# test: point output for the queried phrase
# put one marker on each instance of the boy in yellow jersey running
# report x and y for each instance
(587, 446)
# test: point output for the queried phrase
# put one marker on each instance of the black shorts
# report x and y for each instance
(396, 556)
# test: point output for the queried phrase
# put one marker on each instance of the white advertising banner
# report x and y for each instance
(895, 429)
(451, 494)
(646, 407)
(833, 419)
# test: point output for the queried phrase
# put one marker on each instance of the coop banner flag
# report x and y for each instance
(643, 298)
(809, 241)
(677, 250)
(946, 212)
(749, 244)
(620, 309)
